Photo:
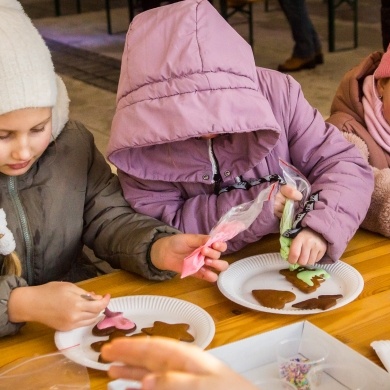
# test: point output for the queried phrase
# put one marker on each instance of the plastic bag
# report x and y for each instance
(44, 372)
(295, 179)
(236, 220)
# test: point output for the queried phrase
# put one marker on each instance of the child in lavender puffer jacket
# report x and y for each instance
(198, 124)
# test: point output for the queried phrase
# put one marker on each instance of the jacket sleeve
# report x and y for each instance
(165, 201)
(378, 215)
(334, 167)
(349, 125)
(7, 284)
(112, 229)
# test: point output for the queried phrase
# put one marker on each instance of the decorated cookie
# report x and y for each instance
(323, 302)
(174, 331)
(111, 322)
(305, 279)
(274, 299)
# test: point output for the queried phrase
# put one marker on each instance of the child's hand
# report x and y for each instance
(307, 248)
(58, 305)
(169, 252)
(286, 192)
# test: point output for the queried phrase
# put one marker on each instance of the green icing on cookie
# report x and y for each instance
(308, 274)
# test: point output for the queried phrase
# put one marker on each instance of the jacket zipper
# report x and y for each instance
(217, 178)
(12, 188)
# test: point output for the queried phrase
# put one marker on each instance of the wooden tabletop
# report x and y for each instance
(356, 324)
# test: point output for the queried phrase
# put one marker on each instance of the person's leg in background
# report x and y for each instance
(307, 51)
(385, 23)
(149, 4)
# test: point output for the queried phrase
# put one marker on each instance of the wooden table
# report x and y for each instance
(357, 324)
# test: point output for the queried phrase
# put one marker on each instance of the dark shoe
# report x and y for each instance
(319, 58)
(295, 64)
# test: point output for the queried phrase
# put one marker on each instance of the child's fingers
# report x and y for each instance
(218, 265)
(290, 192)
(211, 253)
(206, 274)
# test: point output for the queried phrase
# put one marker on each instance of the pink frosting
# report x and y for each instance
(114, 319)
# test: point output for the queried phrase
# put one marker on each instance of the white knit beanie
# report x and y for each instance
(27, 77)
(7, 241)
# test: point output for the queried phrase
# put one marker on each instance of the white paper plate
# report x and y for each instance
(143, 310)
(262, 272)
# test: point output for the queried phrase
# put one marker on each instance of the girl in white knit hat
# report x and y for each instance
(361, 110)
(59, 194)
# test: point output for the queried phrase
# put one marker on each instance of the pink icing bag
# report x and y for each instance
(232, 223)
(195, 261)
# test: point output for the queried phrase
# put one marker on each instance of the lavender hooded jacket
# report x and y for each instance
(185, 74)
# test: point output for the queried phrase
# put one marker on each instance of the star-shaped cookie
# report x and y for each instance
(173, 331)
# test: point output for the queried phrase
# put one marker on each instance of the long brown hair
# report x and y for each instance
(11, 264)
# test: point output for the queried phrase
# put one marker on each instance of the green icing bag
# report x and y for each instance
(286, 223)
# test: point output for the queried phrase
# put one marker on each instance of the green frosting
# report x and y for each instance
(307, 275)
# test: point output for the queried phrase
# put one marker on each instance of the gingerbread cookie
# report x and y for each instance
(101, 360)
(97, 345)
(323, 302)
(111, 322)
(335, 296)
(305, 279)
(174, 331)
(274, 299)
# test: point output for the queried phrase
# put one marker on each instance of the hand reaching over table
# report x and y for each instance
(169, 252)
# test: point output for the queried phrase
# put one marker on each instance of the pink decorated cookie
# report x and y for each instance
(113, 321)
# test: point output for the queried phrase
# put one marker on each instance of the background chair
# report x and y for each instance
(332, 7)
(130, 4)
(228, 8)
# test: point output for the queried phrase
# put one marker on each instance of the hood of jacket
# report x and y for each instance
(347, 112)
(349, 94)
(185, 73)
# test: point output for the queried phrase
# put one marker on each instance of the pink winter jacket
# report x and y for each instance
(185, 74)
(347, 114)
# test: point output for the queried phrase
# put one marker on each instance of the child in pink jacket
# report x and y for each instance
(361, 110)
(198, 125)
